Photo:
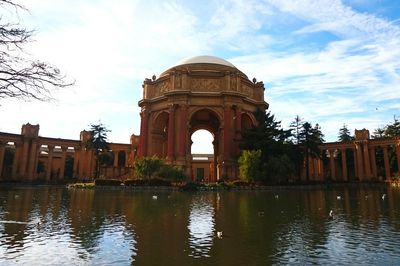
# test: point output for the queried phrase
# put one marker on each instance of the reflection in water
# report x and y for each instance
(201, 226)
(36, 226)
(56, 226)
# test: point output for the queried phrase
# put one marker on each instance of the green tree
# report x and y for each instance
(147, 167)
(297, 156)
(310, 139)
(296, 125)
(21, 77)
(344, 134)
(267, 136)
(271, 140)
(250, 165)
(98, 144)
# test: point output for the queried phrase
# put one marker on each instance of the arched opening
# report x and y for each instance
(246, 122)
(204, 140)
(159, 135)
(202, 151)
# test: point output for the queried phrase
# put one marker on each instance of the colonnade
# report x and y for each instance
(28, 150)
(334, 163)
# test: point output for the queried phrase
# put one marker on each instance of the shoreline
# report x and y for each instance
(204, 187)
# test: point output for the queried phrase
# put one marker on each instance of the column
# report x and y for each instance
(355, 162)
(344, 165)
(2, 151)
(63, 157)
(76, 160)
(16, 161)
(82, 162)
(24, 158)
(183, 128)
(171, 131)
(367, 164)
(360, 169)
(143, 133)
(31, 174)
(227, 131)
(116, 153)
(373, 162)
(386, 161)
(90, 164)
(238, 121)
(332, 164)
(49, 161)
(316, 172)
(321, 169)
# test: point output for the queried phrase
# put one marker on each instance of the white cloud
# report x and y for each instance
(110, 48)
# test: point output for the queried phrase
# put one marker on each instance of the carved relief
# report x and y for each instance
(161, 88)
(233, 83)
(247, 90)
(206, 85)
(178, 81)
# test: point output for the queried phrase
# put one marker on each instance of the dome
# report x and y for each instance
(205, 59)
(202, 62)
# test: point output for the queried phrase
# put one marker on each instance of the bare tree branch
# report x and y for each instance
(20, 77)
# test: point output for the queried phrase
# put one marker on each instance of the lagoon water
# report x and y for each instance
(57, 226)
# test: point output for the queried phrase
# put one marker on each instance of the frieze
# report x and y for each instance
(161, 88)
(206, 85)
(247, 90)
(233, 83)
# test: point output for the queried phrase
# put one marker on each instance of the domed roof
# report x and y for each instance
(198, 63)
(205, 59)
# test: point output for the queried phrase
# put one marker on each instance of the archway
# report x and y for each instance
(204, 167)
(159, 135)
(202, 151)
(206, 93)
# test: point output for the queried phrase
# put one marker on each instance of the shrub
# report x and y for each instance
(147, 167)
(107, 182)
(172, 173)
(241, 183)
(191, 186)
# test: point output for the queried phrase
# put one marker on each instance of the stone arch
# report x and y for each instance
(207, 119)
(159, 134)
(247, 121)
(200, 93)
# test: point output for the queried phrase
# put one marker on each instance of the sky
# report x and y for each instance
(329, 61)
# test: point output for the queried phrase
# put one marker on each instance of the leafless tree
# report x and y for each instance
(21, 77)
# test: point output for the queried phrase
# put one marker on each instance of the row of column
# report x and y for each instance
(364, 161)
(26, 158)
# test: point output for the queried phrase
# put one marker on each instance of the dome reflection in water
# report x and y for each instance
(201, 226)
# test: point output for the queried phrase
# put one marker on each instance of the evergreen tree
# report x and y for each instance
(310, 139)
(344, 134)
(271, 140)
(296, 126)
(98, 143)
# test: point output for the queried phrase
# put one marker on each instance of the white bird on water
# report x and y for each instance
(219, 234)
(383, 196)
(331, 214)
(154, 197)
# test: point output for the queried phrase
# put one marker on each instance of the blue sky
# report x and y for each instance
(330, 62)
